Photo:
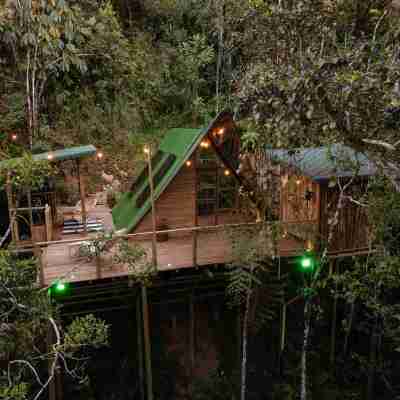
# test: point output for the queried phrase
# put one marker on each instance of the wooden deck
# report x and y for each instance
(180, 251)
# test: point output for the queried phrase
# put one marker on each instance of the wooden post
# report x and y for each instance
(195, 219)
(191, 338)
(333, 330)
(147, 344)
(153, 208)
(283, 328)
(39, 254)
(282, 325)
(239, 342)
(334, 317)
(140, 347)
(11, 210)
(49, 223)
(282, 340)
(82, 194)
(29, 198)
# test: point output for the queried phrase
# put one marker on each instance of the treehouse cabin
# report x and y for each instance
(195, 193)
(310, 181)
(184, 205)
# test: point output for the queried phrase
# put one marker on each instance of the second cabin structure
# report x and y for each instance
(310, 181)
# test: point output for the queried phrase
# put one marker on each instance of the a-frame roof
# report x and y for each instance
(175, 149)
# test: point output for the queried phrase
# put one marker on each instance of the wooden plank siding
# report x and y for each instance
(352, 231)
(176, 205)
(294, 205)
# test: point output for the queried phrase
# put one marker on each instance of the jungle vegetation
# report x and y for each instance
(296, 73)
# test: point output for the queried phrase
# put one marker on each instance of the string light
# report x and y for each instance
(221, 131)
(298, 181)
(100, 155)
(188, 163)
(146, 150)
(50, 156)
(205, 144)
(14, 137)
(227, 172)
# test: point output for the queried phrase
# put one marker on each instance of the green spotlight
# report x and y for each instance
(306, 262)
(60, 287)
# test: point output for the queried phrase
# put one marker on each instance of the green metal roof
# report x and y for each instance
(60, 155)
(178, 142)
(69, 153)
(322, 163)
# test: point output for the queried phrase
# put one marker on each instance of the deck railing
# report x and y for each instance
(301, 232)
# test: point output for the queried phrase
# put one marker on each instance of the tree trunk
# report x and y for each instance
(244, 347)
(307, 322)
(220, 54)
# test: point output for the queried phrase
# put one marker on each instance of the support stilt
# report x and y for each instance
(191, 338)
(139, 336)
(147, 343)
(333, 330)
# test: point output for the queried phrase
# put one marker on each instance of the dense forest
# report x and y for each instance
(295, 74)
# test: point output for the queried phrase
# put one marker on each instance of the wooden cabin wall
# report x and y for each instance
(176, 205)
(294, 205)
(351, 232)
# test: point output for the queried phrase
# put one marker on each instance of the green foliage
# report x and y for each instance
(252, 273)
(25, 172)
(85, 331)
(26, 315)
(384, 215)
(17, 392)
(140, 269)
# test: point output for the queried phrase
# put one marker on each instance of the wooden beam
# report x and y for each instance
(196, 211)
(191, 339)
(139, 336)
(10, 207)
(283, 329)
(82, 194)
(29, 198)
(147, 343)
(39, 255)
(153, 208)
(48, 222)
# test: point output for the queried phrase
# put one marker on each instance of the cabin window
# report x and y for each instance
(207, 191)
(216, 185)
(226, 189)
